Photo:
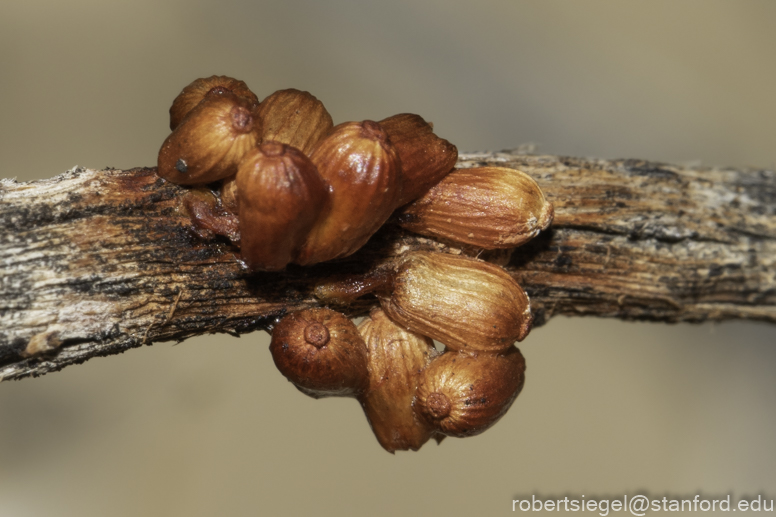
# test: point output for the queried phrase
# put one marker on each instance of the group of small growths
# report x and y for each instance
(287, 186)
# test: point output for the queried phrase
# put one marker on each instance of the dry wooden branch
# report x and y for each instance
(96, 262)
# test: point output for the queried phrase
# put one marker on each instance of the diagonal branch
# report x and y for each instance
(96, 262)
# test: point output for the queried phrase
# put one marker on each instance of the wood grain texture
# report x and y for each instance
(96, 262)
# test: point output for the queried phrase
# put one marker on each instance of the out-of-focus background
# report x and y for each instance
(209, 427)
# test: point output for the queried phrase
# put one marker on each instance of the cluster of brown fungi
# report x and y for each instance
(287, 186)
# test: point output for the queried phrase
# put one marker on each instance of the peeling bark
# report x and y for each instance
(93, 263)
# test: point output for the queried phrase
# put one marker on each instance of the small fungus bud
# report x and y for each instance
(488, 207)
(464, 303)
(208, 216)
(425, 158)
(463, 395)
(321, 352)
(210, 142)
(295, 118)
(280, 197)
(200, 88)
(362, 170)
(395, 359)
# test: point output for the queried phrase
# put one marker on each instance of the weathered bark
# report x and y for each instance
(96, 262)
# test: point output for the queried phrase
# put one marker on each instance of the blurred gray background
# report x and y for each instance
(209, 427)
